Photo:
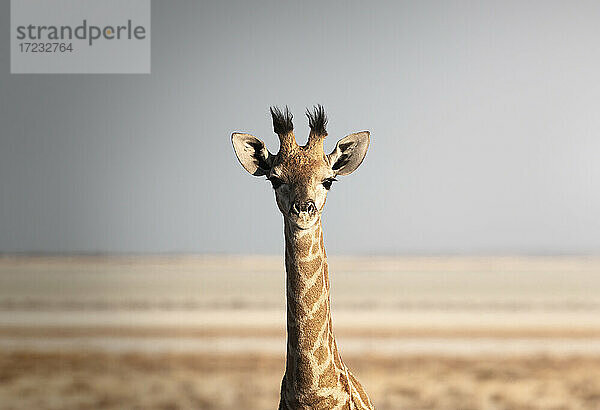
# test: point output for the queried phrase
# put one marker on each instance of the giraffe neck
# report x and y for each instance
(315, 375)
(313, 362)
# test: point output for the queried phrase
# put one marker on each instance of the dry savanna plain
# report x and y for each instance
(208, 332)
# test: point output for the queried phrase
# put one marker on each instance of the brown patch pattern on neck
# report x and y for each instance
(315, 375)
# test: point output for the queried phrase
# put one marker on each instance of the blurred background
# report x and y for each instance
(142, 267)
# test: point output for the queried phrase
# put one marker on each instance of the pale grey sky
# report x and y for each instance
(484, 117)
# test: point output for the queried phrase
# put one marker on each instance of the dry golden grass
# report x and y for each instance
(189, 381)
(420, 309)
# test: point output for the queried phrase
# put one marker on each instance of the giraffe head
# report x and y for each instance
(301, 175)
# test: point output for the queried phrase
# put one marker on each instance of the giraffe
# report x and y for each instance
(315, 375)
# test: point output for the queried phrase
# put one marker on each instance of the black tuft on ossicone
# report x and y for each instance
(317, 120)
(282, 121)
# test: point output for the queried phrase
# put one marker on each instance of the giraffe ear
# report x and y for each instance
(349, 153)
(252, 153)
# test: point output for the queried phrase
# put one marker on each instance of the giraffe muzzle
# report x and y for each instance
(307, 208)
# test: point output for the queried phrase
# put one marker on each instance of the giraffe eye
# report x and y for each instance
(327, 183)
(276, 182)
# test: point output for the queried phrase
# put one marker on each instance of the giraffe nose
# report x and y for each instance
(308, 207)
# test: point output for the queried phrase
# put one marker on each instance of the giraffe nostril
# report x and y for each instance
(295, 208)
(307, 207)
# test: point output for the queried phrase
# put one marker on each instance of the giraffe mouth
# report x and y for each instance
(303, 220)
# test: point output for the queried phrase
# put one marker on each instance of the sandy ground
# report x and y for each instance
(188, 381)
(186, 332)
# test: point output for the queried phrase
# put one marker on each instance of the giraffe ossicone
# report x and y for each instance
(315, 375)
